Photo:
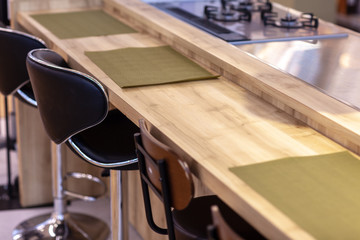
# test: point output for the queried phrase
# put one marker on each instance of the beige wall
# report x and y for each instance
(324, 9)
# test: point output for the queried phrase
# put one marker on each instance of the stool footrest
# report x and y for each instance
(78, 175)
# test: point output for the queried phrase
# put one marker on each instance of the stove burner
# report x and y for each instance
(252, 6)
(226, 14)
(306, 20)
(236, 10)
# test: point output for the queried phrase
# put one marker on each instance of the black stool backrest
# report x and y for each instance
(4, 18)
(165, 174)
(14, 47)
(69, 101)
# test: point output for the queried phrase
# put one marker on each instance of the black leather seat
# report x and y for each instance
(104, 151)
(70, 102)
(74, 109)
(14, 47)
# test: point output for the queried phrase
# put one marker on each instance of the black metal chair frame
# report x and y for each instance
(145, 183)
(212, 232)
(187, 217)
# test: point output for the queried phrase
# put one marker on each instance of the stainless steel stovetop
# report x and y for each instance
(244, 32)
(328, 60)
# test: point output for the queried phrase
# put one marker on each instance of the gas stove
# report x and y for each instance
(248, 21)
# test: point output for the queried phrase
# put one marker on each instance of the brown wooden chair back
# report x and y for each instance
(163, 172)
(180, 182)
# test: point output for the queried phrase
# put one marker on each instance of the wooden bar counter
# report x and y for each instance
(252, 113)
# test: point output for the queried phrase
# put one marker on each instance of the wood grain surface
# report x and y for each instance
(217, 124)
(323, 113)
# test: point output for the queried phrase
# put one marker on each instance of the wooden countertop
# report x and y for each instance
(217, 124)
(325, 114)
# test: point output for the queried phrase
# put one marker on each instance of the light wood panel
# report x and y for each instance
(34, 157)
(215, 124)
(10, 105)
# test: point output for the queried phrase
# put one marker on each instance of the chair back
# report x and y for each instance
(162, 171)
(14, 47)
(69, 101)
(4, 19)
(220, 230)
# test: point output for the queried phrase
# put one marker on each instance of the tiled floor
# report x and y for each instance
(9, 219)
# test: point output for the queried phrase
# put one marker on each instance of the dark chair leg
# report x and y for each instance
(9, 186)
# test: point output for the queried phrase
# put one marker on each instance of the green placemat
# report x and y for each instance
(319, 193)
(81, 24)
(130, 67)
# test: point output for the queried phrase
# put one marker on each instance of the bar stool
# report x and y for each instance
(14, 47)
(74, 109)
(164, 173)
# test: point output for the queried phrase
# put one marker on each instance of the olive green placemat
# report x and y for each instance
(130, 67)
(81, 24)
(319, 193)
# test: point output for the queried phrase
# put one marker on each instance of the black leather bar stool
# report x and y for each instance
(74, 109)
(164, 173)
(14, 47)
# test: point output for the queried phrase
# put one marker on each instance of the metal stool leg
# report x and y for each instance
(61, 224)
(9, 143)
(9, 186)
(116, 205)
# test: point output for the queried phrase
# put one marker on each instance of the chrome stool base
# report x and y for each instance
(74, 226)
